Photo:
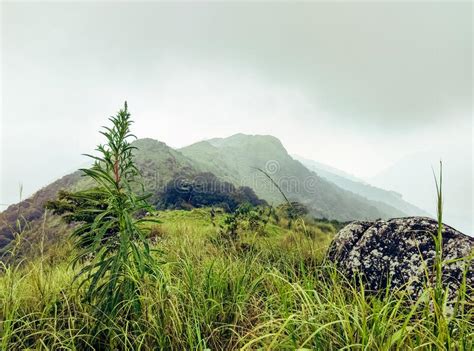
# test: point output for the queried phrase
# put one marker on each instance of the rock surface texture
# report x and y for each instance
(402, 250)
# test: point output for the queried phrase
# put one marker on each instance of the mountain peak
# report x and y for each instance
(149, 143)
(250, 140)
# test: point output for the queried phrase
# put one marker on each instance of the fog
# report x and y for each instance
(358, 86)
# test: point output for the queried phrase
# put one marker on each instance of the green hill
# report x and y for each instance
(234, 160)
(237, 158)
(157, 162)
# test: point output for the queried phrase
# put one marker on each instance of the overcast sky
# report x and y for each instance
(358, 86)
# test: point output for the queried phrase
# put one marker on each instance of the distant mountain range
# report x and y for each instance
(326, 170)
(237, 159)
(413, 176)
(362, 188)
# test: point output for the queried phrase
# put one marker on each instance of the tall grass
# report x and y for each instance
(270, 290)
(211, 297)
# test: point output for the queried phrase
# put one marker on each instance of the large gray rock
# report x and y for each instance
(402, 250)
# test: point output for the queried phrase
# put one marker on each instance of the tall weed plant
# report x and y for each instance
(113, 249)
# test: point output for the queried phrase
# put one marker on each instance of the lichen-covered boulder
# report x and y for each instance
(402, 251)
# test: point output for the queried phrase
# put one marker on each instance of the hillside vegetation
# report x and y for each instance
(233, 160)
(99, 268)
(268, 289)
(238, 158)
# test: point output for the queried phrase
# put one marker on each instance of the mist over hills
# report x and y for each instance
(327, 171)
(362, 188)
(236, 160)
(413, 177)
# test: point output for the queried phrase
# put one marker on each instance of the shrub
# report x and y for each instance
(110, 230)
(205, 189)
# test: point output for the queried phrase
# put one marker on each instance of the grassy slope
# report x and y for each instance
(272, 293)
(157, 162)
(28, 213)
(235, 159)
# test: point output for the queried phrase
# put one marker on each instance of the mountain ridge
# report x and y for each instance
(242, 154)
(362, 188)
(234, 159)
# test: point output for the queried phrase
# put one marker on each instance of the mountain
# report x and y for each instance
(362, 188)
(157, 162)
(237, 159)
(27, 214)
(327, 170)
